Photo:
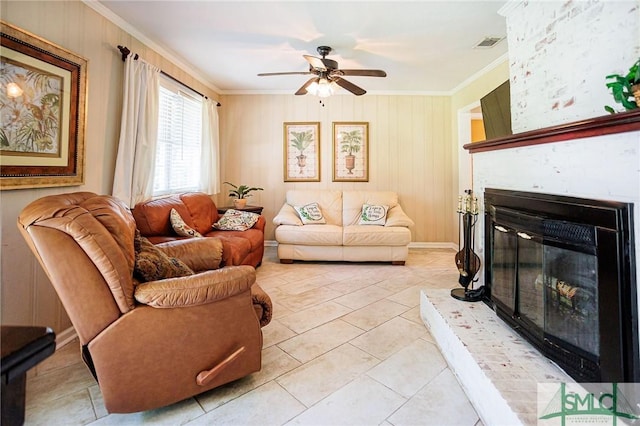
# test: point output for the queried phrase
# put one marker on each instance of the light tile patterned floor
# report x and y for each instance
(346, 346)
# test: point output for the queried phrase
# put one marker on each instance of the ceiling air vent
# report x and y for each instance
(488, 42)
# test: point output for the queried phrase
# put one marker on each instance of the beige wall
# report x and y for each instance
(410, 140)
(26, 295)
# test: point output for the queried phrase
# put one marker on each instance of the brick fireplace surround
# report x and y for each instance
(498, 369)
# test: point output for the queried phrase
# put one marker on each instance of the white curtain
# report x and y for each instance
(209, 169)
(135, 163)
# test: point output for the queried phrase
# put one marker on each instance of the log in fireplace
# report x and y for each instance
(561, 271)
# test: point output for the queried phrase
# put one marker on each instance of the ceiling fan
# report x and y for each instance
(328, 76)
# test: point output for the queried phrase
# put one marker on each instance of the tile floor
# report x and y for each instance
(346, 346)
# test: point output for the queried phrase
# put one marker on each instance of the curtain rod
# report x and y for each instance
(126, 52)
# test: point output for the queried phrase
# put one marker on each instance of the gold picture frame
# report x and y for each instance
(350, 151)
(302, 151)
(43, 110)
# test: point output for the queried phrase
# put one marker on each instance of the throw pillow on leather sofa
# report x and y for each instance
(199, 212)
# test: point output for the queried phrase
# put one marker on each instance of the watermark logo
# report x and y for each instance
(588, 404)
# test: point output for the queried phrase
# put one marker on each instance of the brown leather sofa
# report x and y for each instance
(193, 333)
(199, 212)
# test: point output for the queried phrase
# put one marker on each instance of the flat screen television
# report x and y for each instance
(496, 112)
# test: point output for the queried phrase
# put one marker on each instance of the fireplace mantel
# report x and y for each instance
(605, 125)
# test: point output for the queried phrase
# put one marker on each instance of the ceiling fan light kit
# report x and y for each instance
(328, 76)
(322, 88)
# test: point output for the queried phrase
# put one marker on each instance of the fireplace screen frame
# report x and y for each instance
(612, 225)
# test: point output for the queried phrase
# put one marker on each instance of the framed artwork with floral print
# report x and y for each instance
(302, 152)
(42, 107)
(350, 151)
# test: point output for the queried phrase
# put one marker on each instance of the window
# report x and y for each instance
(178, 151)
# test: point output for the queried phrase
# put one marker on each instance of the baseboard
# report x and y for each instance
(416, 245)
(65, 336)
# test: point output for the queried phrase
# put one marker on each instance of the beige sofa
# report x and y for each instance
(341, 238)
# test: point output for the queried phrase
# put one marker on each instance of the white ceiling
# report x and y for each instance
(424, 46)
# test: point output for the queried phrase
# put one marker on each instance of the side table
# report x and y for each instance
(252, 209)
(22, 348)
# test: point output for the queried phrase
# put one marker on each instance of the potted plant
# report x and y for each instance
(350, 142)
(301, 141)
(625, 88)
(241, 193)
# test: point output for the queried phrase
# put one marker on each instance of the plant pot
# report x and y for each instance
(350, 163)
(302, 162)
(635, 89)
(240, 203)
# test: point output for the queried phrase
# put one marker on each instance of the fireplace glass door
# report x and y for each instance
(571, 285)
(530, 289)
(552, 288)
(504, 267)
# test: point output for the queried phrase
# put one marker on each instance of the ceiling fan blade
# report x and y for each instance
(264, 74)
(364, 73)
(358, 91)
(303, 89)
(316, 63)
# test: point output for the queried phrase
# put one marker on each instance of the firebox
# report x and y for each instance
(561, 271)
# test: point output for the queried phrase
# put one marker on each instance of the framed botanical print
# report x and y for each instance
(350, 151)
(42, 107)
(302, 152)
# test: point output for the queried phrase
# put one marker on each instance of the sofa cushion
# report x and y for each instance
(254, 237)
(199, 254)
(234, 248)
(153, 217)
(180, 227)
(152, 264)
(373, 214)
(397, 217)
(354, 200)
(287, 216)
(202, 210)
(310, 214)
(236, 220)
(310, 235)
(362, 235)
(330, 202)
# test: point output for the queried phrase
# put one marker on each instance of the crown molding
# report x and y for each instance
(343, 93)
(499, 61)
(170, 56)
(509, 7)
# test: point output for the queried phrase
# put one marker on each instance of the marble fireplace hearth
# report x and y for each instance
(497, 368)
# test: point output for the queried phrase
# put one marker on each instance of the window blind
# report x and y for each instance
(177, 165)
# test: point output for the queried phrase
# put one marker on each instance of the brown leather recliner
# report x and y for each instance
(196, 332)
